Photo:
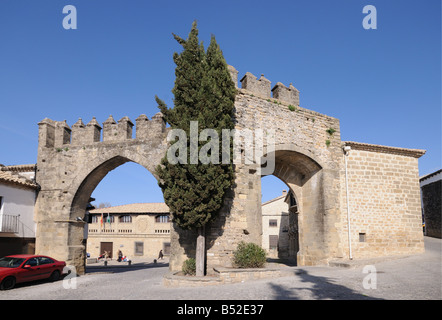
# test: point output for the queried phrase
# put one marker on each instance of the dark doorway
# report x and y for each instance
(106, 246)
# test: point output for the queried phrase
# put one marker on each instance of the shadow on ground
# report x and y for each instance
(316, 288)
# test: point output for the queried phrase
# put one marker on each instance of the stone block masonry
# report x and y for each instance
(71, 163)
(384, 201)
(309, 158)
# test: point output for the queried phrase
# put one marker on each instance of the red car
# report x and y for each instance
(26, 267)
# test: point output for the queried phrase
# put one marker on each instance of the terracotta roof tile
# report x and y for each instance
(14, 178)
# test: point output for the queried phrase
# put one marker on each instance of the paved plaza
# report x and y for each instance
(415, 277)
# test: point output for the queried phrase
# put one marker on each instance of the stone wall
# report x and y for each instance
(308, 157)
(227, 276)
(71, 162)
(384, 201)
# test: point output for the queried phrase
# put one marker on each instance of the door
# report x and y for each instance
(31, 272)
(106, 246)
(47, 266)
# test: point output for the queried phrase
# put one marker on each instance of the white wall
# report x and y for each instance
(19, 201)
(276, 210)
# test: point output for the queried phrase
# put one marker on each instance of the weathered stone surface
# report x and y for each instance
(383, 182)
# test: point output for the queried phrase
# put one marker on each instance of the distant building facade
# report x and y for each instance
(275, 226)
(431, 203)
(18, 192)
(138, 230)
(280, 227)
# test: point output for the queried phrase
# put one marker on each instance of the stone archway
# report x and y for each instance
(72, 160)
(304, 175)
(308, 157)
(71, 163)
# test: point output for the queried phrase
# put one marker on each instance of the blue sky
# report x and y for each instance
(383, 85)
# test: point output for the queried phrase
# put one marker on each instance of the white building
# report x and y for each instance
(17, 199)
(280, 227)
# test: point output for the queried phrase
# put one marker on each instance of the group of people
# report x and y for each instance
(121, 258)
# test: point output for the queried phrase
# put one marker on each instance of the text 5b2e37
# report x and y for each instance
(246, 309)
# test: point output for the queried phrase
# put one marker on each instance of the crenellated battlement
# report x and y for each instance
(262, 87)
(58, 134)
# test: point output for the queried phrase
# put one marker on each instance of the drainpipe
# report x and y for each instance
(346, 153)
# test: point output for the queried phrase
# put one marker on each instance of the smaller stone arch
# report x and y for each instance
(303, 172)
(70, 167)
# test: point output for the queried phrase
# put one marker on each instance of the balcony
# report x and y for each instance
(9, 223)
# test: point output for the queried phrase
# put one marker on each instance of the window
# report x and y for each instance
(125, 219)
(108, 218)
(273, 242)
(32, 262)
(95, 219)
(362, 237)
(162, 219)
(11, 262)
(45, 260)
(273, 223)
(139, 248)
(1, 202)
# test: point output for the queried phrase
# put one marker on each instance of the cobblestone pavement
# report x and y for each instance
(413, 277)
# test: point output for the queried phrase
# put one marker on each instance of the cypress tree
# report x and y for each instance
(203, 92)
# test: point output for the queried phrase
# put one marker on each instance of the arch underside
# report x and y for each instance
(84, 192)
(305, 178)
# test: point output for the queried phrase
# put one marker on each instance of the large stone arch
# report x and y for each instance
(72, 162)
(305, 175)
(308, 157)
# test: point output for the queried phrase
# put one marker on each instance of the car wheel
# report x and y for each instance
(54, 276)
(7, 283)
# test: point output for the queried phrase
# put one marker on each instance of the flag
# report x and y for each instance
(101, 220)
(109, 220)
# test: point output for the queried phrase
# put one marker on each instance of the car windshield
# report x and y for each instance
(11, 262)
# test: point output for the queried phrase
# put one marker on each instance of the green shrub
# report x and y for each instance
(189, 267)
(249, 255)
(330, 131)
(292, 107)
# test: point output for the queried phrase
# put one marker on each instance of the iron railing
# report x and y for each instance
(9, 223)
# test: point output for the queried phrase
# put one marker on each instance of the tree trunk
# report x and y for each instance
(200, 252)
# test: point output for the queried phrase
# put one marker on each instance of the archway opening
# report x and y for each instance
(129, 215)
(129, 183)
(292, 206)
(280, 236)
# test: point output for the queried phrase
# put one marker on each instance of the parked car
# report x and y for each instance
(26, 267)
